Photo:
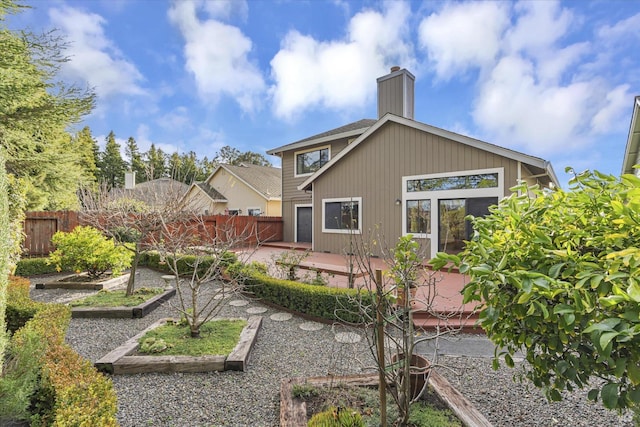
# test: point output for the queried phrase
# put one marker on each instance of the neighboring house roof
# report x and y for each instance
(633, 142)
(264, 180)
(214, 194)
(538, 165)
(155, 192)
(349, 130)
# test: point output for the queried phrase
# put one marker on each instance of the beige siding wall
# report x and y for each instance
(237, 193)
(374, 171)
(274, 208)
(199, 202)
(290, 193)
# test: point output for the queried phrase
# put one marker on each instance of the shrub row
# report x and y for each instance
(28, 267)
(185, 263)
(320, 301)
(46, 381)
(20, 308)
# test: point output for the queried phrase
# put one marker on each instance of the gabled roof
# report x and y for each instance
(264, 180)
(213, 194)
(633, 141)
(538, 165)
(346, 131)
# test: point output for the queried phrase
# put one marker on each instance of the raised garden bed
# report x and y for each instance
(134, 312)
(82, 282)
(293, 412)
(123, 360)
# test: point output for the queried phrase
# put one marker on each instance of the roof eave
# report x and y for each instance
(476, 143)
(633, 140)
(310, 142)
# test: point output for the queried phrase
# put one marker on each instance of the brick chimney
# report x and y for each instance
(396, 93)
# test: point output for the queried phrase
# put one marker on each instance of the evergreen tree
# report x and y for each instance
(175, 168)
(112, 166)
(87, 148)
(156, 163)
(232, 156)
(35, 111)
(136, 164)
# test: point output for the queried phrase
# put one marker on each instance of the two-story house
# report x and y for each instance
(397, 176)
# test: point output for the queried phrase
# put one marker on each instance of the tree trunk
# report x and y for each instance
(131, 284)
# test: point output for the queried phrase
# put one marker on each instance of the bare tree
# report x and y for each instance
(131, 216)
(197, 253)
(388, 318)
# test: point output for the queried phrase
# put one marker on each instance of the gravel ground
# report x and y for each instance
(285, 350)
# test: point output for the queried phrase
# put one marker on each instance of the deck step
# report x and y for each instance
(463, 322)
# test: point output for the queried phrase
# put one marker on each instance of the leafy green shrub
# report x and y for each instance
(20, 308)
(153, 259)
(320, 301)
(28, 267)
(337, 417)
(558, 279)
(86, 249)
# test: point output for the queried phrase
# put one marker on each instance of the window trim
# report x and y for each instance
(308, 150)
(436, 195)
(342, 230)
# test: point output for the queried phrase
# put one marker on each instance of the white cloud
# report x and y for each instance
(93, 56)
(535, 90)
(340, 74)
(178, 118)
(217, 55)
(617, 105)
(463, 35)
(518, 111)
(226, 9)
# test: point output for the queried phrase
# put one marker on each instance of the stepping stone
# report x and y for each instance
(256, 310)
(281, 317)
(311, 326)
(238, 303)
(348, 337)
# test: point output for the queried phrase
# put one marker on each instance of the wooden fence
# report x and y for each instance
(39, 227)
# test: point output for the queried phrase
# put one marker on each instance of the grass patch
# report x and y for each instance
(429, 412)
(217, 337)
(106, 298)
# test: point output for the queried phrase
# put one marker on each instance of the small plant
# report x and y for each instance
(153, 345)
(288, 262)
(86, 249)
(303, 391)
(337, 417)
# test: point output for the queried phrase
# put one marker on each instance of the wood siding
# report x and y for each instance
(374, 171)
(291, 196)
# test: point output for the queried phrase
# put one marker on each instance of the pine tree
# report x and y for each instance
(136, 164)
(87, 148)
(112, 166)
(156, 162)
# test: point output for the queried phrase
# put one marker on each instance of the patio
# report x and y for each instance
(445, 298)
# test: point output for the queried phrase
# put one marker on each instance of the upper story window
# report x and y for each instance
(309, 161)
(459, 182)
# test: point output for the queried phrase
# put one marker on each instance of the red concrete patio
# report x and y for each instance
(436, 306)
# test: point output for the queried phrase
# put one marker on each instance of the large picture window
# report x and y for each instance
(307, 162)
(341, 215)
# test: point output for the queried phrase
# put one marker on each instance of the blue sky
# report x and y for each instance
(551, 79)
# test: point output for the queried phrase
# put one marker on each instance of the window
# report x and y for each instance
(254, 212)
(460, 182)
(234, 211)
(307, 162)
(418, 216)
(341, 215)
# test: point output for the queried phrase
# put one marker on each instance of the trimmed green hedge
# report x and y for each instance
(46, 381)
(28, 267)
(20, 308)
(154, 260)
(320, 301)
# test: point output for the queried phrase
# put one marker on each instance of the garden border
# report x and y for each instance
(96, 286)
(121, 361)
(293, 413)
(135, 312)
